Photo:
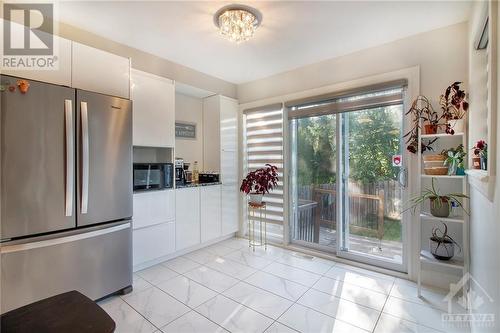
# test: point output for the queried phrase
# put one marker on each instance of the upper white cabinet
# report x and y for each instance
(100, 71)
(228, 124)
(220, 129)
(154, 110)
(210, 212)
(153, 207)
(61, 75)
(211, 133)
(187, 217)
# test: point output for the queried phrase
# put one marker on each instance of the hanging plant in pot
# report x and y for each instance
(259, 182)
(455, 106)
(440, 204)
(441, 244)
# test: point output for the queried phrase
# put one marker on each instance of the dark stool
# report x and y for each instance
(70, 312)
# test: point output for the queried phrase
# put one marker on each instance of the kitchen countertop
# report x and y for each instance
(197, 185)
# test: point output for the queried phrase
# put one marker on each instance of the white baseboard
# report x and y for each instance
(182, 252)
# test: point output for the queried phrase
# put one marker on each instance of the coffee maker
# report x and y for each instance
(179, 172)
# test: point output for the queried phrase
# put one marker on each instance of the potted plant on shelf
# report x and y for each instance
(454, 159)
(441, 244)
(440, 204)
(421, 110)
(480, 159)
(455, 106)
(259, 182)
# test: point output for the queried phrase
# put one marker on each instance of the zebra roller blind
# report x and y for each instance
(264, 145)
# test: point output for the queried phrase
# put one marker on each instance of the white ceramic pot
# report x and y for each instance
(256, 198)
(457, 125)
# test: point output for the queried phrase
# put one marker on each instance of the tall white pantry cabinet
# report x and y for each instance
(220, 125)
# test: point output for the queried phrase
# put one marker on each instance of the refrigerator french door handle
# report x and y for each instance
(85, 157)
(70, 157)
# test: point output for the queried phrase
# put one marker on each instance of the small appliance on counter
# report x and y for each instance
(153, 176)
(188, 175)
(208, 177)
(179, 171)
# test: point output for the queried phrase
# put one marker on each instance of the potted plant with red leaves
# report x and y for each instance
(480, 159)
(259, 182)
(455, 106)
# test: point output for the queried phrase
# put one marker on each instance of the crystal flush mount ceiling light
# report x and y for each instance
(237, 22)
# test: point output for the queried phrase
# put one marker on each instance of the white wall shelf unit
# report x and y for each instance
(447, 181)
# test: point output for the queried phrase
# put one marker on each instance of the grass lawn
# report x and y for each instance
(392, 230)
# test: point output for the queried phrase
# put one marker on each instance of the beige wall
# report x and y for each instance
(484, 220)
(441, 55)
(150, 63)
(190, 109)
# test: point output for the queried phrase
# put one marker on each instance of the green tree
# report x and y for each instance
(316, 150)
(374, 137)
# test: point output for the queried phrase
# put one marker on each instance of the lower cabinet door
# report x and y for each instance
(153, 242)
(230, 221)
(153, 207)
(187, 217)
(210, 212)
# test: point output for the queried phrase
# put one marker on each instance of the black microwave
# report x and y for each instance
(153, 176)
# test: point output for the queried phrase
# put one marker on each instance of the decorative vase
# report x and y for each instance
(457, 125)
(430, 128)
(452, 169)
(460, 171)
(440, 209)
(484, 163)
(441, 249)
(476, 162)
(255, 198)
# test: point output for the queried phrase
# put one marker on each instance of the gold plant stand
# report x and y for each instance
(257, 213)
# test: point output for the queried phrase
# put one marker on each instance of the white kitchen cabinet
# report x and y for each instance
(211, 133)
(153, 242)
(187, 217)
(100, 71)
(228, 123)
(153, 207)
(210, 212)
(230, 194)
(61, 75)
(220, 129)
(154, 110)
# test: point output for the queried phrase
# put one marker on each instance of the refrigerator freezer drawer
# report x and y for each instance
(96, 263)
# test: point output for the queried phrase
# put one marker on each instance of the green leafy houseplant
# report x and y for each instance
(455, 159)
(421, 109)
(440, 203)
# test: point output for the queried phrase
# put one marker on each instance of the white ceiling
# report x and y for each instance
(293, 34)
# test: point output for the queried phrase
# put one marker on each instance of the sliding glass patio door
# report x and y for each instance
(372, 163)
(347, 178)
(314, 177)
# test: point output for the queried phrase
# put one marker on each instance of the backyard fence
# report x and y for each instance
(369, 205)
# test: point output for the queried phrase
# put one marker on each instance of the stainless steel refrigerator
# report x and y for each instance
(66, 193)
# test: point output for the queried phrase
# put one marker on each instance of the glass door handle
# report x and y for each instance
(403, 176)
